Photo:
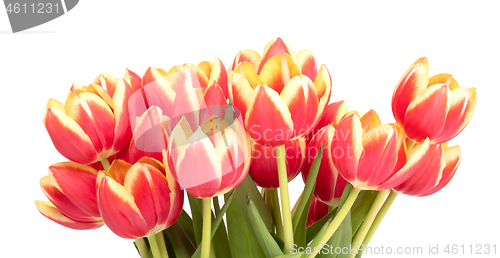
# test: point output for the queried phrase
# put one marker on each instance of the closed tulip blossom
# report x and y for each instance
(435, 108)
(434, 174)
(264, 168)
(93, 123)
(281, 95)
(329, 183)
(372, 156)
(138, 200)
(70, 188)
(317, 210)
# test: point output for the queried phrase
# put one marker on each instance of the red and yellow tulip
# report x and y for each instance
(210, 161)
(317, 210)
(264, 168)
(435, 108)
(70, 188)
(138, 200)
(93, 124)
(435, 173)
(281, 95)
(372, 156)
(329, 183)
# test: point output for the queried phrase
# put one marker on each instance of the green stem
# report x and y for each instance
(380, 216)
(334, 225)
(142, 247)
(153, 244)
(105, 164)
(285, 200)
(269, 207)
(370, 217)
(207, 221)
(277, 213)
(160, 239)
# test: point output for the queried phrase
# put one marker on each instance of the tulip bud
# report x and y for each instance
(70, 188)
(281, 99)
(93, 123)
(264, 168)
(138, 200)
(435, 108)
(372, 156)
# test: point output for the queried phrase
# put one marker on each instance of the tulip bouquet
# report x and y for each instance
(135, 144)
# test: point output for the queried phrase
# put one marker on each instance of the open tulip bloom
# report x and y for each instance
(135, 144)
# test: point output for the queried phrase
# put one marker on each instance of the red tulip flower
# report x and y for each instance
(435, 108)
(329, 183)
(435, 173)
(93, 124)
(264, 168)
(372, 156)
(70, 188)
(138, 200)
(317, 210)
(281, 95)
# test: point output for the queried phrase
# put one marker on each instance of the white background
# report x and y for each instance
(367, 46)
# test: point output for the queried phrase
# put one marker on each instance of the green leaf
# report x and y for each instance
(181, 244)
(288, 256)
(266, 241)
(196, 211)
(300, 217)
(187, 224)
(243, 239)
(170, 246)
(361, 207)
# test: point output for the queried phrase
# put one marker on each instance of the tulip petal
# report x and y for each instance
(219, 75)
(148, 132)
(240, 91)
(247, 55)
(186, 104)
(278, 71)
(412, 84)
(214, 103)
(247, 70)
(119, 211)
(265, 103)
(156, 91)
(95, 118)
(133, 80)
(471, 106)
(370, 120)
(122, 130)
(347, 146)
(307, 63)
(151, 194)
(300, 97)
(107, 82)
(206, 67)
(177, 75)
(323, 83)
(77, 182)
(232, 159)
(117, 171)
(379, 157)
(69, 138)
(48, 210)
(332, 114)
(452, 160)
(198, 167)
(428, 175)
(417, 156)
(426, 114)
(275, 47)
(62, 202)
